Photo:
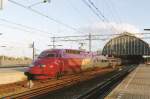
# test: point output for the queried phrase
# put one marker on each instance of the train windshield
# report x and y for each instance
(48, 55)
(45, 54)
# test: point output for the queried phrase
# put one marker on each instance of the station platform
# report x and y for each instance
(135, 86)
(11, 75)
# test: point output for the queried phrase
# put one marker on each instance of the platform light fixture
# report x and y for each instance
(37, 3)
(45, 1)
(146, 29)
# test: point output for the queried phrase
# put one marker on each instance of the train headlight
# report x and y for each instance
(51, 66)
(42, 65)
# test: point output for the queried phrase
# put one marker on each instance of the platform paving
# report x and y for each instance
(135, 86)
(11, 75)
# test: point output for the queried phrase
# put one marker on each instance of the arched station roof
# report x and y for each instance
(126, 44)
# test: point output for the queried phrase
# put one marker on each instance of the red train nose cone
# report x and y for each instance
(35, 70)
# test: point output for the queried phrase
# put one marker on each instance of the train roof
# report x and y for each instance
(63, 49)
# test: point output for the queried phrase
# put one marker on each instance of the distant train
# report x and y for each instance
(57, 62)
(113, 62)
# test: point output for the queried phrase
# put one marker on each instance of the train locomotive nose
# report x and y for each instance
(28, 73)
(36, 71)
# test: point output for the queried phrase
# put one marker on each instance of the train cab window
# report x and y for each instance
(47, 54)
(50, 55)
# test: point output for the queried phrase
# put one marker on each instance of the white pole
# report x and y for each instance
(1, 4)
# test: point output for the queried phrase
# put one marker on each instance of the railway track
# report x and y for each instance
(102, 89)
(43, 87)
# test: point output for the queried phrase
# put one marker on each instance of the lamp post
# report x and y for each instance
(2, 56)
(33, 50)
(1, 4)
(149, 45)
(2, 33)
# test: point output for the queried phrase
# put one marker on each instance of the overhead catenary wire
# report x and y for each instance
(46, 16)
(36, 4)
(41, 36)
(111, 12)
(116, 10)
(86, 37)
(81, 15)
(98, 13)
(101, 14)
(113, 9)
(77, 36)
(97, 9)
(91, 8)
(17, 28)
(83, 39)
(13, 27)
(24, 26)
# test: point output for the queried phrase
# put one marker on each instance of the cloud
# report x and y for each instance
(110, 28)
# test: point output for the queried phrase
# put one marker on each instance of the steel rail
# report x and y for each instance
(102, 89)
(46, 87)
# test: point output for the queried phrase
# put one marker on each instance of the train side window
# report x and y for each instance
(104, 61)
(58, 55)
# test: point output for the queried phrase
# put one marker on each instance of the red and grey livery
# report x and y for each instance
(57, 62)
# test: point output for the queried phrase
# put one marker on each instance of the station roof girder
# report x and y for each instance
(126, 44)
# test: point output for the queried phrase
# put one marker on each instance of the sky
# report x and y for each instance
(20, 26)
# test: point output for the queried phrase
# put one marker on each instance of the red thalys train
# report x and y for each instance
(57, 62)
